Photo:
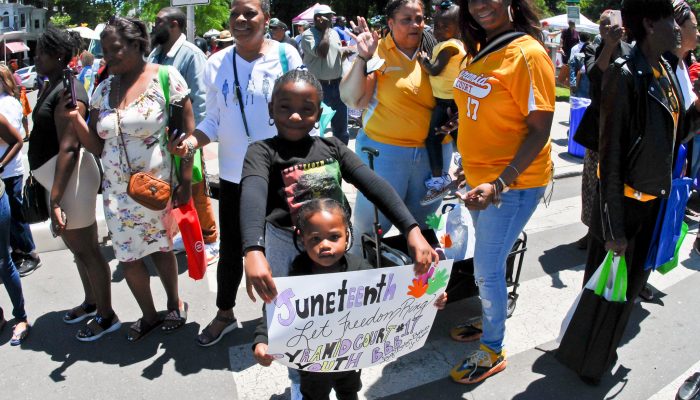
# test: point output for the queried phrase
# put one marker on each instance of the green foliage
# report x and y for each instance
(211, 16)
(593, 8)
(60, 20)
(90, 12)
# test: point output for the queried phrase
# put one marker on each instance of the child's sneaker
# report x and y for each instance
(211, 251)
(438, 187)
(479, 365)
(457, 159)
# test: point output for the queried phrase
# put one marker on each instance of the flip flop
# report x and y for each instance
(139, 329)
(175, 319)
(18, 338)
(209, 339)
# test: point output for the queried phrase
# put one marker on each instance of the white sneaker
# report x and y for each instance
(212, 252)
(457, 159)
(178, 244)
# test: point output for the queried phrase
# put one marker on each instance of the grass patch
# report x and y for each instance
(562, 94)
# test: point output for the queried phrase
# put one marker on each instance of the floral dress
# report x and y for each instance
(136, 231)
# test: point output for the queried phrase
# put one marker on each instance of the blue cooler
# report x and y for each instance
(578, 107)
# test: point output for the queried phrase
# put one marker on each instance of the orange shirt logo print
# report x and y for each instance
(476, 86)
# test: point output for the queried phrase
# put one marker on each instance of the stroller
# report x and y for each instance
(393, 251)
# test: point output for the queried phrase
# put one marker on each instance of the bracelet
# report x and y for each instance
(190, 150)
(515, 169)
(366, 60)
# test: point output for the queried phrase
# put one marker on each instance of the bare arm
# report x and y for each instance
(86, 133)
(611, 38)
(11, 136)
(356, 88)
(441, 61)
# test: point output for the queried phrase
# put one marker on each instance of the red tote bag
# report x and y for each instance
(188, 222)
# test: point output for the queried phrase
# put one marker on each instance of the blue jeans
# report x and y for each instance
(496, 231)
(406, 169)
(20, 235)
(339, 123)
(8, 272)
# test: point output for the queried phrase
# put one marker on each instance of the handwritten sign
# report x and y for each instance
(352, 320)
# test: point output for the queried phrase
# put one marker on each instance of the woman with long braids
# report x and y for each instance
(71, 178)
(397, 100)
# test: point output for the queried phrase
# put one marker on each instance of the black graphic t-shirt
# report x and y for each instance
(298, 171)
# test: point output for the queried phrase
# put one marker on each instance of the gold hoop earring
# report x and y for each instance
(510, 13)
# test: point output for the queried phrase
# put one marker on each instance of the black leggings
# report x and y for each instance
(230, 268)
(433, 143)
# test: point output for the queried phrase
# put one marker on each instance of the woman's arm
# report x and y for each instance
(538, 124)
(86, 133)
(183, 192)
(66, 159)
(11, 136)
(441, 61)
(356, 88)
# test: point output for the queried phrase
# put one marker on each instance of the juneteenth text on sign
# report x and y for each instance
(321, 304)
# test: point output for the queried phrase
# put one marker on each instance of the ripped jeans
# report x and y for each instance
(496, 231)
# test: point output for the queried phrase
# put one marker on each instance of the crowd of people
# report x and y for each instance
(480, 84)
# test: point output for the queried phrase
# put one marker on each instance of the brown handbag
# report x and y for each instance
(144, 188)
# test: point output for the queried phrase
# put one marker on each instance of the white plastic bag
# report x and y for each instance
(456, 232)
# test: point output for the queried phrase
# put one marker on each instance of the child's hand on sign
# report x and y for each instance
(441, 301)
(261, 355)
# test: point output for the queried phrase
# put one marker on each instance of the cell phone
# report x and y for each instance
(69, 83)
(175, 119)
(615, 17)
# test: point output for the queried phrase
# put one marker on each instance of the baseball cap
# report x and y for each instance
(276, 23)
(302, 23)
(323, 9)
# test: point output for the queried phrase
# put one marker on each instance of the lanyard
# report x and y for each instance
(239, 95)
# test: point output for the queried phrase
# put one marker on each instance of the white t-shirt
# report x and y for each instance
(223, 121)
(685, 84)
(12, 110)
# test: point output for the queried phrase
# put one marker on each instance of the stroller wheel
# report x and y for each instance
(512, 301)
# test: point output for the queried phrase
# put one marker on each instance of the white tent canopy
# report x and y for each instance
(86, 32)
(562, 22)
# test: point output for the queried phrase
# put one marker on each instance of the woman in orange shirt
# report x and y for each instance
(506, 105)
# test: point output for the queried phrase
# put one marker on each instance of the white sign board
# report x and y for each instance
(352, 320)
(181, 3)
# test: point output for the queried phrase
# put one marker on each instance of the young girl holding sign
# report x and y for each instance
(324, 229)
(280, 174)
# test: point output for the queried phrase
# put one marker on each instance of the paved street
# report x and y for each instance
(659, 351)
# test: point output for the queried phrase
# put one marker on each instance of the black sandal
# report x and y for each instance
(139, 329)
(72, 316)
(175, 319)
(98, 327)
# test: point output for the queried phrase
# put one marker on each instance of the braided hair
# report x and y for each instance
(298, 75)
(60, 43)
(314, 206)
(130, 29)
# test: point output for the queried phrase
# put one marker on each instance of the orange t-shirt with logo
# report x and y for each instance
(494, 96)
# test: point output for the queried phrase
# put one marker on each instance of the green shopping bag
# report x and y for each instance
(665, 268)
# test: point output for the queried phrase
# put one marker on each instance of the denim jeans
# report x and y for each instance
(339, 123)
(433, 142)
(20, 236)
(8, 272)
(406, 169)
(496, 231)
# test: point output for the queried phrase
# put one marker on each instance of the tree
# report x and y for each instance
(206, 17)
(60, 20)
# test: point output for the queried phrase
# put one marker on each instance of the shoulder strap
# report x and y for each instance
(164, 79)
(498, 43)
(239, 96)
(283, 58)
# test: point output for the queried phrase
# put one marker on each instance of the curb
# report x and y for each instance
(568, 174)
